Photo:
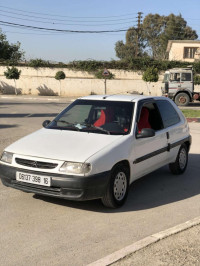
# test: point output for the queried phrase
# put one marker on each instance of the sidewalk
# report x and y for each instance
(180, 249)
(38, 98)
(179, 245)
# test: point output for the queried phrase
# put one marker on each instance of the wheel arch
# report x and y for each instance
(124, 163)
(188, 144)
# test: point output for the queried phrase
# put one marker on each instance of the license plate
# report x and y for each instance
(33, 179)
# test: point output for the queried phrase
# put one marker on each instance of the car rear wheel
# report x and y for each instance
(117, 189)
(180, 164)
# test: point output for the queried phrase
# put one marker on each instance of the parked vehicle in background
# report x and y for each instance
(97, 147)
(179, 86)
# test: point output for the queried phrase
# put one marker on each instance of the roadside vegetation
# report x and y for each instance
(191, 113)
(144, 48)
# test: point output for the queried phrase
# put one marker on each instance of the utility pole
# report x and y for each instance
(138, 30)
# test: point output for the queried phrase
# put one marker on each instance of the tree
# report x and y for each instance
(159, 29)
(150, 75)
(59, 76)
(134, 45)
(9, 51)
(13, 73)
(153, 35)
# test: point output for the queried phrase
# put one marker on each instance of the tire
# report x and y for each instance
(117, 190)
(180, 165)
(182, 99)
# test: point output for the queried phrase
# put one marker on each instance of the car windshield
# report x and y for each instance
(101, 117)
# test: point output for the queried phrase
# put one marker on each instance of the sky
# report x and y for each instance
(82, 15)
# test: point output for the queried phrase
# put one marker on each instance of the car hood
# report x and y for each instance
(62, 144)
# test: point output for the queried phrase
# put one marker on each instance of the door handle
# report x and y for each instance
(168, 147)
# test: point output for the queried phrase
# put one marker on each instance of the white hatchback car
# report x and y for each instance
(97, 147)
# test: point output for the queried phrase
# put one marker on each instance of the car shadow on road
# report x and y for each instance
(156, 189)
(28, 115)
(7, 126)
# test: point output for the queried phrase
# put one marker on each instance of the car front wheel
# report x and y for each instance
(180, 165)
(117, 189)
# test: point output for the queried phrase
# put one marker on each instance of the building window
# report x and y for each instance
(189, 52)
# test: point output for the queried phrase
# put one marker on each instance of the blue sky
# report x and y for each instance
(82, 15)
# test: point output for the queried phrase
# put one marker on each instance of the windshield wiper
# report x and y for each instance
(68, 123)
(98, 128)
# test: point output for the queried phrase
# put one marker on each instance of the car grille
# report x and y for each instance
(35, 164)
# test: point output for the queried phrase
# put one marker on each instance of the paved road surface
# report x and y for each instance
(39, 230)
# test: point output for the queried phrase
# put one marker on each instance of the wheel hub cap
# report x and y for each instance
(182, 100)
(182, 158)
(120, 186)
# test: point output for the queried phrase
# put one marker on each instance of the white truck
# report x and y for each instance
(178, 84)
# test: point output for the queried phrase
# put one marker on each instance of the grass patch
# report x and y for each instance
(191, 113)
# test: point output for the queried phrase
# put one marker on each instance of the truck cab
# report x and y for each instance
(178, 85)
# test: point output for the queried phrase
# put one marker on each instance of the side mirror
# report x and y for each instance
(146, 133)
(166, 87)
(46, 123)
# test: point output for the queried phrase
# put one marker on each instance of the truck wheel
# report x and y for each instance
(180, 164)
(182, 99)
(117, 189)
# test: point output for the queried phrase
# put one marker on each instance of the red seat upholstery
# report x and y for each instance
(144, 119)
(105, 117)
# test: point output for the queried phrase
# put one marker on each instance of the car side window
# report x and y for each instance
(152, 120)
(168, 113)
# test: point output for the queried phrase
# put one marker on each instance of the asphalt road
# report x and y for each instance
(36, 230)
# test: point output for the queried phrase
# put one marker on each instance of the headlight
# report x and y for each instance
(7, 157)
(75, 168)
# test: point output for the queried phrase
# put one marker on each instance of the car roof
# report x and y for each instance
(116, 97)
(120, 97)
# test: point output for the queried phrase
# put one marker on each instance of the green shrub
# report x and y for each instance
(38, 63)
(92, 66)
(60, 75)
(150, 75)
(12, 73)
(196, 79)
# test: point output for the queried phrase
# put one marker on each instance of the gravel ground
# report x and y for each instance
(180, 249)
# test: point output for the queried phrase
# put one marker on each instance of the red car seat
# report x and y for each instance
(144, 119)
(105, 117)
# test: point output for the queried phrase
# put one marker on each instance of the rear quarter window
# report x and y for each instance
(168, 113)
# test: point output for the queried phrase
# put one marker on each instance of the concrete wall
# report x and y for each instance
(77, 83)
(41, 81)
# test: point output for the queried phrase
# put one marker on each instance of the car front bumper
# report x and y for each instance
(62, 186)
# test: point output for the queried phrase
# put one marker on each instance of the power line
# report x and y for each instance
(53, 15)
(70, 24)
(5, 23)
(70, 20)
(53, 33)
(42, 29)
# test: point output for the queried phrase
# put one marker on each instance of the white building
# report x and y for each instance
(183, 50)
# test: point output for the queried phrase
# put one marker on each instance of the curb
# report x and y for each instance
(40, 98)
(122, 253)
(193, 120)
